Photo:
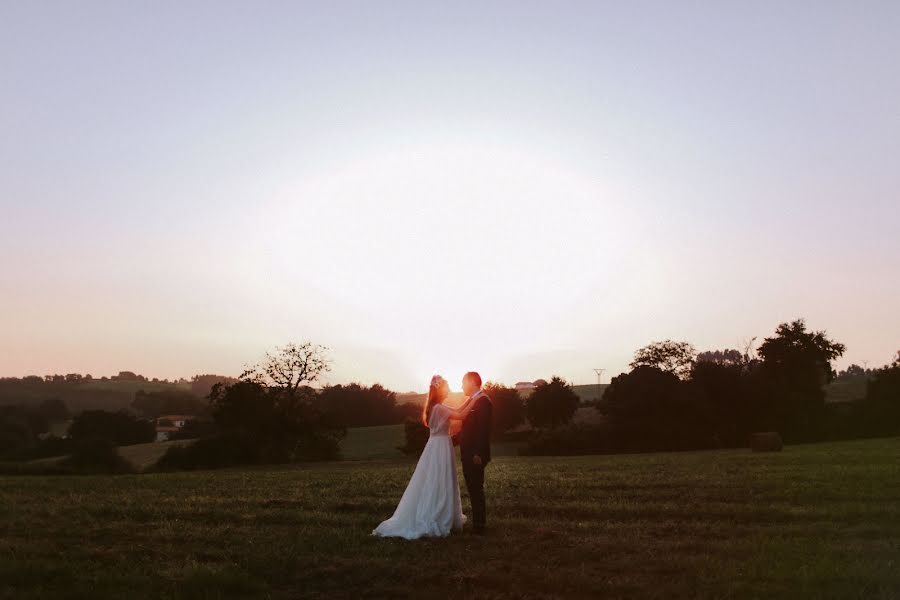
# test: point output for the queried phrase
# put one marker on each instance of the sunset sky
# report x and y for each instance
(521, 188)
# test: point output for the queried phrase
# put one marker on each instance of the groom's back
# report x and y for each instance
(475, 437)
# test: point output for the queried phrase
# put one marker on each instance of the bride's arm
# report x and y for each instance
(458, 414)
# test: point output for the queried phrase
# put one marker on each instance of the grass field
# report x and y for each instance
(816, 521)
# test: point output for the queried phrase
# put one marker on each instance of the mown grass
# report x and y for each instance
(817, 521)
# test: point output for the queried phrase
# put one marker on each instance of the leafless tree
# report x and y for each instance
(290, 367)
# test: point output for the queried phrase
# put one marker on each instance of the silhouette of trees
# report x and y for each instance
(669, 356)
(270, 415)
(644, 405)
(717, 394)
(280, 424)
(120, 428)
(788, 383)
(290, 367)
(723, 357)
(552, 404)
(168, 402)
(53, 410)
(355, 405)
(508, 407)
(880, 411)
(201, 385)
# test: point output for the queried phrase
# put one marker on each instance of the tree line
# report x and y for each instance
(676, 399)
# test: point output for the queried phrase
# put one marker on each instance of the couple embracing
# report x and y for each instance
(431, 504)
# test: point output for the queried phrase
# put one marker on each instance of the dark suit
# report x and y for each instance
(475, 439)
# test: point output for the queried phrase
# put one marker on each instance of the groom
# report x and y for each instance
(475, 446)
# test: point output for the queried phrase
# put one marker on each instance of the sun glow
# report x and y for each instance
(456, 255)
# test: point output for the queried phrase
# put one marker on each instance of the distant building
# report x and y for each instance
(169, 424)
(529, 386)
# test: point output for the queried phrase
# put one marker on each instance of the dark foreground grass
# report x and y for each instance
(818, 521)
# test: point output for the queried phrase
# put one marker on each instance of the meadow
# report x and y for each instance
(816, 521)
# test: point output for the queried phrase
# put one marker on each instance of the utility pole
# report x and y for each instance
(599, 373)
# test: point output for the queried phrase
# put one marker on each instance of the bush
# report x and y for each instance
(767, 441)
(573, 440)
(235, 449)
(46, 448)
(97, 456)
(210, 453)
(416, 437)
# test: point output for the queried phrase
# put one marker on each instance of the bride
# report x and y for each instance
(431, 505)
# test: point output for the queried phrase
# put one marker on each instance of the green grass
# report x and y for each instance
(815, 521)
(381, 443)
(373, 443)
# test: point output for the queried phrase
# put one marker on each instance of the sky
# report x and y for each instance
(522, 188)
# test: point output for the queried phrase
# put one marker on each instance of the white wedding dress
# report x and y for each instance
(431, 504)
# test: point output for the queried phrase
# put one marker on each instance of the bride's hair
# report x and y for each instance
(437, 393)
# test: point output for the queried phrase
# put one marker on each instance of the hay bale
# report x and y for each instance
(766, 441)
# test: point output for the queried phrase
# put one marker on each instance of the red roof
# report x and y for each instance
(177, 417)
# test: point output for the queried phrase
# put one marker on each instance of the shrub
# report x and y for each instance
(768, 441)
(46, 448)
(97, 455)
(573, 440)
(416, 437)
(210, 453)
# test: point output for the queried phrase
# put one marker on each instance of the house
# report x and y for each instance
(529, 386)
(169, 424)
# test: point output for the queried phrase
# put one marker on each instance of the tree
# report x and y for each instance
(16, 430)
(290, 367)
(552, 404)
(53, 410)
(508, 407)
(669, 356)
(881, 407)
(644, 407)
(854, 371)
(724, 357)
(280, 428)
(788, 383)
(120, 428)
(355, 405)
(273, 409)
(168, 402)
(716, 394)
(201, 385)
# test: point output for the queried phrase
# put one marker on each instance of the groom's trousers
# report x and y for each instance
(474, 475)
